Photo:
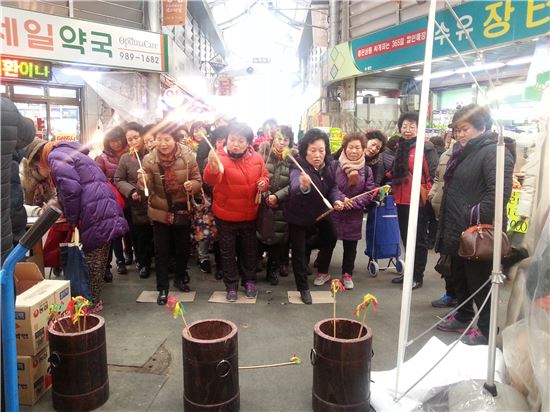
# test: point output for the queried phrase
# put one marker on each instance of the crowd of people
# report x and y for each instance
(164, 192)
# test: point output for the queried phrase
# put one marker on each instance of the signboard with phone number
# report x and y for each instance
(24, 33)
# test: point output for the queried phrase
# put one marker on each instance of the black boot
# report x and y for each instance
(272, 275)
(163, 297)
(128, 257)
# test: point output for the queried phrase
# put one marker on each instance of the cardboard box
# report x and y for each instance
(33, 377)
(26, 275)
(31, 314)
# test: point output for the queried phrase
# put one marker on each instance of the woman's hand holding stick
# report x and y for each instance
(351, 199)
(145, 189)
(325, 200)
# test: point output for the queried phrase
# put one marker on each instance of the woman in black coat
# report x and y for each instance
(469, 195)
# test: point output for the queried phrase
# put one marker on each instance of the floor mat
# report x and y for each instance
(316, 297)
(219, 297)
(150, 296)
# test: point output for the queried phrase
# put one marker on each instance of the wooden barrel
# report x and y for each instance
(80, 381)
(341, 366)
(211, 366)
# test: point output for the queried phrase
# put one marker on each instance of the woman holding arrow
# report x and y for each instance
(311, 182)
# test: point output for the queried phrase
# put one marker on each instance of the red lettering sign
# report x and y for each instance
(388, 45)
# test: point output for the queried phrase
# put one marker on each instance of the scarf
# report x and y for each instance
(44, 164)
(167, 163)
(461, 152)
(277, 154)
(453, 162)
(400, 169)
(351, 167)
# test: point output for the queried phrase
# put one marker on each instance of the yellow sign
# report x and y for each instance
(67, 137)
(516, 223)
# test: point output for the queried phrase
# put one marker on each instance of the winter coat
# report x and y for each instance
(234, 196)
(472, 184)
(349, 223)
(402, 191)
(303, 208)
(279, 179)
(185, 168)
(16, 133)
(87, 200)
(18, 213)
(436, 192)
(108, 162)
(126, 182)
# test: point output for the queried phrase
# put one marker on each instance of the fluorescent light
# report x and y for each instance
(520, 60)
(393, 68)
(480, 67)
(437, 75)
(415, 70)
(415, 64)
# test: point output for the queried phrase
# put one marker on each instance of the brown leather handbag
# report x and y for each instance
(476, 242)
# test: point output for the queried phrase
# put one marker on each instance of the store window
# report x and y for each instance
(56, 111)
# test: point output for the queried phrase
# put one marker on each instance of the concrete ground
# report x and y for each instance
(144, 341)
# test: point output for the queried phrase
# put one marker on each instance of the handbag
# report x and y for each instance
(75, 267)
(265, 228)
(476, 242)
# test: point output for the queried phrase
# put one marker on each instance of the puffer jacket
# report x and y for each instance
(279, 179)
(436, 192)
(16, 133)
(18, 213)
(302, 209)
(349, 223)
(87, 200)
(234, 196)
(185, 168)
(108, 162)
(126, 182)
(472, 184)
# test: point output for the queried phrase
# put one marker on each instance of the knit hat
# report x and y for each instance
(34, 147)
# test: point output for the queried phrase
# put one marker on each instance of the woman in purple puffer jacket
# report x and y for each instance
(352, 177)
(87, 202)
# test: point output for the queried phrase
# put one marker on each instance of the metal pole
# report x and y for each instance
(333, 23)
(415, 198)
(497, 277)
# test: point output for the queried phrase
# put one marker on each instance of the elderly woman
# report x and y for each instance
(374, 147)
(172, 177)
(469, 195)
(305, 205)
(88, 203)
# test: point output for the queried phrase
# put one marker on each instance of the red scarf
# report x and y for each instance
(167, 164)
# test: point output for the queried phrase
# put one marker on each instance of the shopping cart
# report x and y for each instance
(382, 237)
(7, 303)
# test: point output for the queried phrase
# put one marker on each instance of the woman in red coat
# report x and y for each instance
(236, 186)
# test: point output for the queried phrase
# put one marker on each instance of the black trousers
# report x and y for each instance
(142, 238)
(305, 238)
(117, 248)
(229, 233)
(467, 277)
(166, 237)
(350, 253)
(421, 252)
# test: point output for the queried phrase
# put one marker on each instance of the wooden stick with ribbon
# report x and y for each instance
(145, 189)
(325, 200)
(220, 164)
(328, 212)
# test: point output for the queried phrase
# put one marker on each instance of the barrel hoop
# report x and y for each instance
(73, 354)
(215, 362)
(336, 406)
(318, 355)
(216, 406)
(80, 395)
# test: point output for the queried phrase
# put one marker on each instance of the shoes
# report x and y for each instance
(97, 308)
(163, 297)
(108, 276)
(57, 271)
(138, 266)
(283, 271)
(250, 290)
(181, 285)
(273, 277)
(347, 281)
(128, 258)
(219, 274)
(205, 266)
(452, 324)
(474, 337)
(231, 296)
(321, 279)
(121, 268)
(417, 284)
(445, 301)
(397, 280)
(144, 272)
(305, 295)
